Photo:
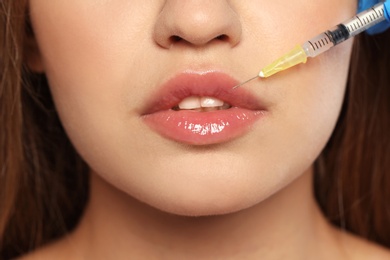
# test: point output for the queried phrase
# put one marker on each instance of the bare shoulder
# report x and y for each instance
(359, 248)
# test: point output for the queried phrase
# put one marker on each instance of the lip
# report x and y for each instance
(202, 128)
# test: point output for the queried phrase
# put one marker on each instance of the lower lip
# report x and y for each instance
(203, 128)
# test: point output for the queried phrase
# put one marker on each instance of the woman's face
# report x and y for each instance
(118, 71)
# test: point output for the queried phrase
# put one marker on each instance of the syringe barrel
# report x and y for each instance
(344, 31)
(366, 19)
(317, 45)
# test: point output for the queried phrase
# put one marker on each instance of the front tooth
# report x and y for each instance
(190, 103)
(210, 102)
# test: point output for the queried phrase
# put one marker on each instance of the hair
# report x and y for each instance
(44, 182)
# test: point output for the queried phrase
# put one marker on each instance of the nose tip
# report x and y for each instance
(197, 23)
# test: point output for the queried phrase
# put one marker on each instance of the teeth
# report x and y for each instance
(210, 102)
(190, 103)
(202, 104)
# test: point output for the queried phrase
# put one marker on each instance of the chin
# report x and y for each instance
(205, 200)
(201, 207)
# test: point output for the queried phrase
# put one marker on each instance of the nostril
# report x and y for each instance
(175, 38)
(222, 37)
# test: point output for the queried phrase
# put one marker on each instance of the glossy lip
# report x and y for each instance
(202, 128)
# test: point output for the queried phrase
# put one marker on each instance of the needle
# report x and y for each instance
(326, 40)
(239, 85)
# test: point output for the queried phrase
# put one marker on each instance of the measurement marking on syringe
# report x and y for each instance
(381, 12)
(359, 20)
(376, 13)
(314, 48)
(330, 38)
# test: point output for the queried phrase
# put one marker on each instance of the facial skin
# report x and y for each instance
(104, 59)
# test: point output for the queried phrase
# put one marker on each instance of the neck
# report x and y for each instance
(118, 226)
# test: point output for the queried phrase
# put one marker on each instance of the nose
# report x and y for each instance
(197, 22)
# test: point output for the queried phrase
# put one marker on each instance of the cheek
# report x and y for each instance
(320, 89)
(90, 51)
(312, 96)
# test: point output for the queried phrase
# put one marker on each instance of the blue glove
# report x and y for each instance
(381, 27)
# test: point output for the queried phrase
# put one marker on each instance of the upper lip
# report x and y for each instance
(213, 84)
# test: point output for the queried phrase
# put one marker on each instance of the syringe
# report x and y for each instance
(327, 40)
